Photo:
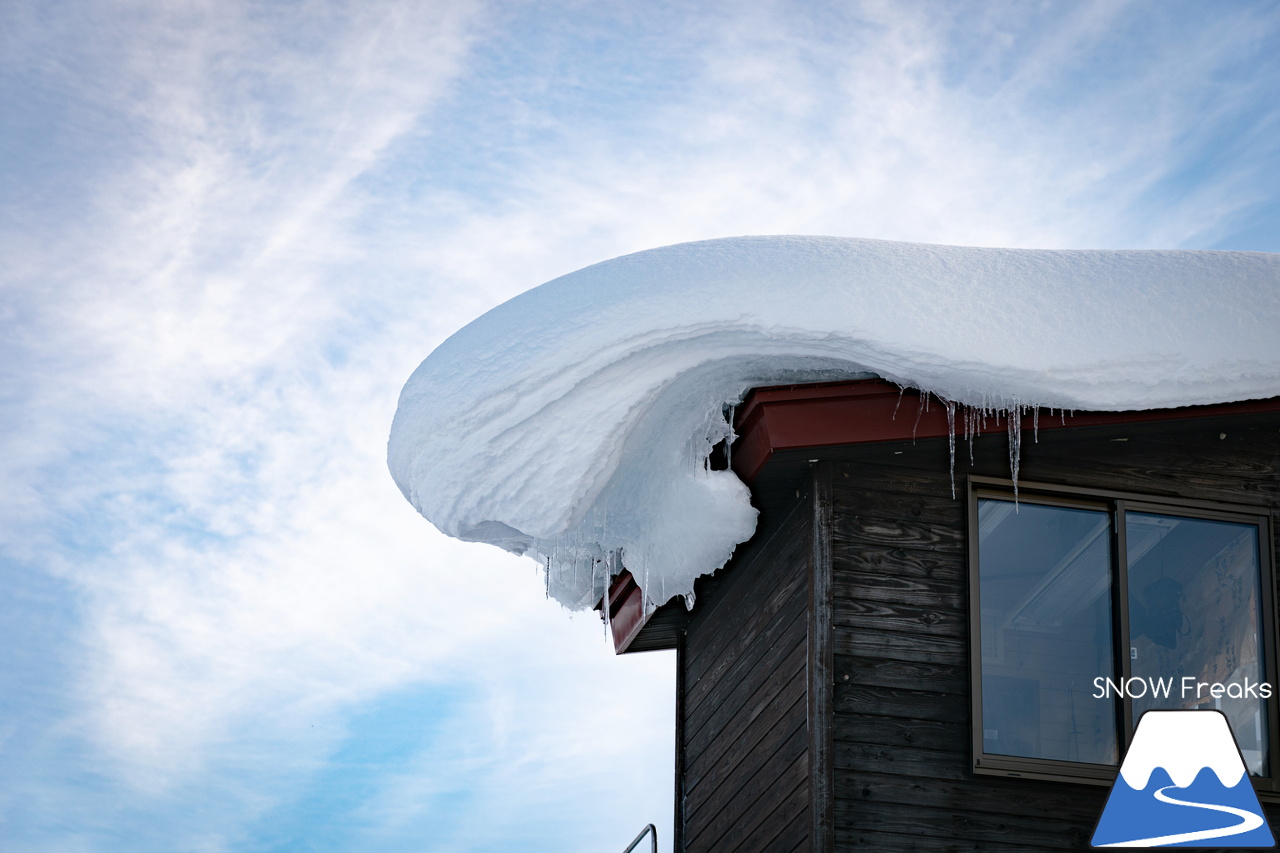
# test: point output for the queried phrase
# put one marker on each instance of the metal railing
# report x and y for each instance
(653, 834)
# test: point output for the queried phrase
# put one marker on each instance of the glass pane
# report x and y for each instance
(1194, 621)
(1045, 600)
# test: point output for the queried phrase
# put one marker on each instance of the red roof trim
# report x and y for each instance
(796, 417)
(626, 611)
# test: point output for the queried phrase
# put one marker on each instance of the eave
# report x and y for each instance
(779, 427)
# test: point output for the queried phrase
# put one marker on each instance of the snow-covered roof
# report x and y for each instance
(573, 422)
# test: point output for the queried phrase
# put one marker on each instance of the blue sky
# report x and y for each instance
(230, 231)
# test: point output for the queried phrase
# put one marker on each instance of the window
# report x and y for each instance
(1089, 608)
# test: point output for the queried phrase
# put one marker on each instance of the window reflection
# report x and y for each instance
(1045, 599)
(1194, 589)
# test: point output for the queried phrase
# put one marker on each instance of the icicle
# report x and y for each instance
(608, 629)
(951, 442)
(1015, 444)
(919, 412)
(1035, 424)
(729, 440)
(547, 574)
(968, 431)
(901, 390)
(644, 590)
(604, 599)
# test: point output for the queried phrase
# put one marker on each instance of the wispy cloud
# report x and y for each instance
(893, 120)
(198, 484)
(215, 210)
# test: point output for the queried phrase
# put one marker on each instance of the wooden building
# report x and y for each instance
(904, 655)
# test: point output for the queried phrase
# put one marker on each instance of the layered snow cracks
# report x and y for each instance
(574, 422)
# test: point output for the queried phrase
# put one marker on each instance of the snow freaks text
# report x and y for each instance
(1186, 688)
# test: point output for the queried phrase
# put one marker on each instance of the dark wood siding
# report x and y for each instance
(903, 768)
(744, 764)
(749, 758)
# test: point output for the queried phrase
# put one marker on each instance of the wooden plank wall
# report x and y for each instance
(903, 777)
(743, 751)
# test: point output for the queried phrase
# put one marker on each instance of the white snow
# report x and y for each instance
(572, 423)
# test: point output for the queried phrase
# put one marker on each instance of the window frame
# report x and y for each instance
(1116, 504)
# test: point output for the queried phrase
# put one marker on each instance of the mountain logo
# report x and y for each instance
(1182, 783)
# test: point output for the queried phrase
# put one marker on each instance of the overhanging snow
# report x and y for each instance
(572, 423)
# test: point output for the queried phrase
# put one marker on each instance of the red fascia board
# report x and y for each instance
(872, 410)
(626, 611)
(802, 416)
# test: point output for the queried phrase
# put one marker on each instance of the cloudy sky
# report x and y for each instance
(230, 230)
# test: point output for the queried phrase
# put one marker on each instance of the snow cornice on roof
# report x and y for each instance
(573, 423)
